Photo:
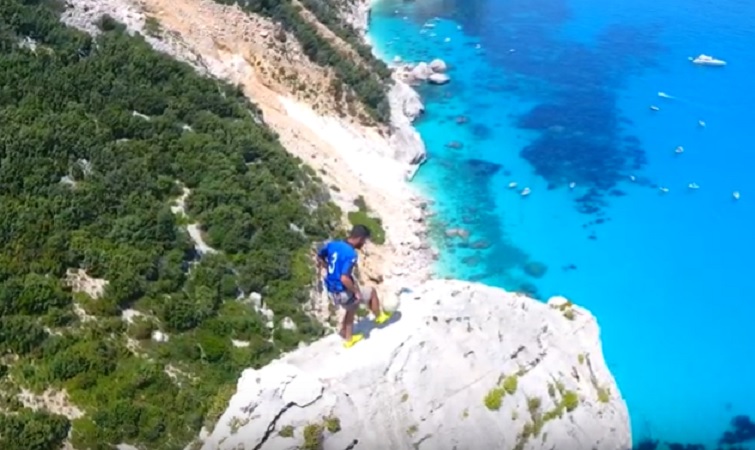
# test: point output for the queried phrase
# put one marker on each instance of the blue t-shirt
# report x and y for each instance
(341, 258)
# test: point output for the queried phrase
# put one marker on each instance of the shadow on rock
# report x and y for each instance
(365, 326)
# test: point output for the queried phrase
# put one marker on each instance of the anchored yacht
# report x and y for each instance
(706, 60)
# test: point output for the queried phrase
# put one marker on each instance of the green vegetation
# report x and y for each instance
(99, 136)
(506, 385)
(494, 398)
(327, 13)
(286, 432)
(367, 79)
(313, 437)
(570, 401)
(363, 217)
(152, 26)
(604, 395)
(31, 430)
(332, 424)
(412, 430)
(581, 358)
(510, 384)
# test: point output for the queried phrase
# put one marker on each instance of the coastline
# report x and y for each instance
(359, 161)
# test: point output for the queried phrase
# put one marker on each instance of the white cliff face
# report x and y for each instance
(405, 141)
(430, 379)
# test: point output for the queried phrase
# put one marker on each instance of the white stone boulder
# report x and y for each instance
(438, 78)
(421, 71)
(438, 66)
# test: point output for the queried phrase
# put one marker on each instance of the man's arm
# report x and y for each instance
(322, 257)
(348, 280)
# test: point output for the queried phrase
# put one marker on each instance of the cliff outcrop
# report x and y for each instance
(464, 366)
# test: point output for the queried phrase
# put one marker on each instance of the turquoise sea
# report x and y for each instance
(545, 93)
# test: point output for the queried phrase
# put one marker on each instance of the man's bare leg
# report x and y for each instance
(347, 326)
(374, 304)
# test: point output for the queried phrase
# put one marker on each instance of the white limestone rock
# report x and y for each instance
(420, 382)
(405, 141)
(421, 71)
(438, 78)
(438, 66)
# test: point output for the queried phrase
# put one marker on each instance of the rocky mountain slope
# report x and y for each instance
(464, 366)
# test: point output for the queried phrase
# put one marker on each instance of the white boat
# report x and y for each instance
(679, 150)
(701, 123)
(706, 60)
(735, 194)
(664, 95)
(654, 108)
(525, 192)
(664, 190)
(572, 185)
(693, 186)
(512, 185)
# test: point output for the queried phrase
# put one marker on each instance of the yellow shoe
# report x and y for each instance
(354, 339)
(382, 318)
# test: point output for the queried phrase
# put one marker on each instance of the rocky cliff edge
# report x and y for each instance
(462, 366)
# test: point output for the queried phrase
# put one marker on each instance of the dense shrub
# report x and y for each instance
(98, 136)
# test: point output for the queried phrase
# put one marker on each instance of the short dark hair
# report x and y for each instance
(360, 231)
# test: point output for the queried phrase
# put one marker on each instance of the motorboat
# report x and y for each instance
(706, 60)
(654, 108)
(693, 186)
(525, 192)
(735, 194)
(679, 150)
(512, 185)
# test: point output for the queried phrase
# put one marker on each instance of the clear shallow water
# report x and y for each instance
(559, 91)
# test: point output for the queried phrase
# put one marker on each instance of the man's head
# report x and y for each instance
(358, 236)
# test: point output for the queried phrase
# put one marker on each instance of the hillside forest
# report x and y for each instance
(99, 138)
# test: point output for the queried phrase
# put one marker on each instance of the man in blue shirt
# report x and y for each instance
(340, 258)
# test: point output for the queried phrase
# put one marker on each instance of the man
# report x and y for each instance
(340, 258)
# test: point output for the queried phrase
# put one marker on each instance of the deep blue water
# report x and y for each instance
(559, 92)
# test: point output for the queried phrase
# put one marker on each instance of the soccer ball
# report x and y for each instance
(390, 303)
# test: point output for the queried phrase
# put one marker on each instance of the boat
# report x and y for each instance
(706, 60)
(693, 186)
(679, 150)
(735, 194)
(525, 192)
(654, 108)
(664, 95)
(701, 123)
(663, 190)
(512, 185)
(572, 185)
